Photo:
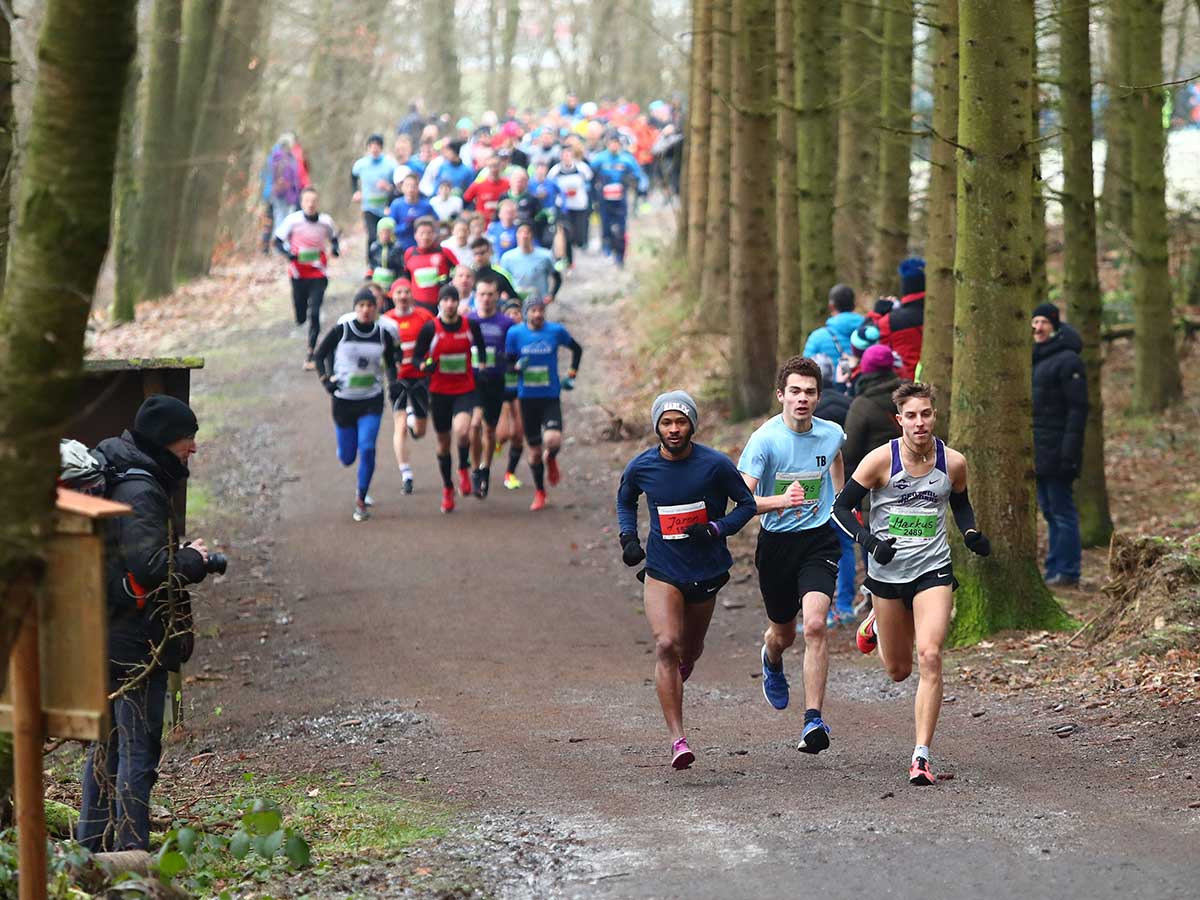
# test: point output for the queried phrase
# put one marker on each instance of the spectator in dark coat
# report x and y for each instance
(1060, 407)
(148, 621)
(871, 421)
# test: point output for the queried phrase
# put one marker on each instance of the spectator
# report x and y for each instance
(871, 420)
(832, 340)
(903, 327)
(1060, 408)
(281, 181)
(149, 620)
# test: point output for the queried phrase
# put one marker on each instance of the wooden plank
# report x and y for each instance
(88, 506)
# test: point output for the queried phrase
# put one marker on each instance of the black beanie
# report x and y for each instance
(162, 420)
(841, 297)
(1049, 311)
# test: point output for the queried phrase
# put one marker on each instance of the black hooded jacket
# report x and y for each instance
(871, 421)
(137, 545)
(1060, 404)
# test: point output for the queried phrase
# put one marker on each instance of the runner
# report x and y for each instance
(908, 568)
(445, 348)
(793, 464)
(303, 237)
(459, 244)
(545, 223)
(410, 403)
(481, 255)
(354, 360)
(574, 180)
(427, 265)
(528, 206)
(511, 429)
(614, 167)
(463, 278)
(407, 209)
(371, 180)
(447, 205)
(490, 388)
(503, 232)
(532, 267)
(532, 351)
(385, 258)
(487, 191)
(688, 488)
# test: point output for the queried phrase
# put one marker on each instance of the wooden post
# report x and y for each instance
(25, 678)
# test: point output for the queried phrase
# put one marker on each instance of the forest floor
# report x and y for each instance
(461, 706)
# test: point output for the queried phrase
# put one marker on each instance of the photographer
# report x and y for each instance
(149, 619)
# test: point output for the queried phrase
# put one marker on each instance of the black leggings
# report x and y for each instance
(578, 219)
(307, 296)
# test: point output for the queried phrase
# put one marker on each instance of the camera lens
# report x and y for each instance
(217, 563)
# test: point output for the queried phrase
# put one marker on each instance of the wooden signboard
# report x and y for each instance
(72, 623)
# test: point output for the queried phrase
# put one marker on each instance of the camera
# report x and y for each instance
(217, 563)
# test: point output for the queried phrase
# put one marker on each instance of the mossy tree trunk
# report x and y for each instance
(127, 253)
(816, 80)
(895, 144)
(992, 424)
(1037, 235)
(8, 143)
(858, 139)
(787, 210)
(508, 47)
(84, 50)
(443, 84)
(714, 283)
(752, 251)
(937, 348)
(1116, 198)
(1081, 282)
(228, 83)
(1156, 380)
(699, 110)
(156, 162)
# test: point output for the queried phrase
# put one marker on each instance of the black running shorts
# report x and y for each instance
(444, 407)
(489, 394)
(540, 414)
(906, 591)
(794, 563)
(346, 413)
(693, 591)
(414, 393)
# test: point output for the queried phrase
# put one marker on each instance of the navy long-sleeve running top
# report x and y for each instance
(679, 493)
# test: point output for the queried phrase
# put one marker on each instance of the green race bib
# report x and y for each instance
(537, 376)
(809, 481)
(910, 523)
(309, 256)
(452, 363)
(510, 379)
(382, 276)
(427, 277)
(361, 381)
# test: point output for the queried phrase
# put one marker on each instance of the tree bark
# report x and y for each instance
(229, 80)
(72, 129)
(992, 424)
(1037, 235)
(859, 68)
(714, 290)
(8, 129)
(443, 79)
(127, 253)
(752, 252)
(937, 348)
(158, 142)
(1116, 198)
(698, 133)
(895, 144)
(787, 201)
(1081, 282)
(493, 29)
(508, 47)
(816, 25)
(1156, 380)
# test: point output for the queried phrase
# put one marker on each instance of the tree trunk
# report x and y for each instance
(127, 253)
(816, 25)
(229, 80)
(8, 129)
(858, 139)
(72, 129)
(493, 29)
(1081, 283)
(443, 80)
(937, 348)
(895, 144)
(992, 424)
(1037, 236)
(714, 290)
(787, 207)
(199, 30)
(508, 47)
(1156, 380)
(1116, 198)
(752, 252)
(158, 143)
(701, 104)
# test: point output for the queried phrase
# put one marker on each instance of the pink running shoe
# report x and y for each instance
(682, 756)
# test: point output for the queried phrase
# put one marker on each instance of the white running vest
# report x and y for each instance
(913, 511)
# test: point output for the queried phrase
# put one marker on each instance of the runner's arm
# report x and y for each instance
(627, 501)
(555, 285)
(837, 473)
(735, 487)
(960, 505)
(392, 357)
(506, 285)
(478, 340)
(845, 507)
(576, 355)
(424, 342)
(283, 248)
(323, 355)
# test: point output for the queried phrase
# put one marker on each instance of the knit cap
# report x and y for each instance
(877, 358)
(161, 420)
(674, 401)
(1049, 311)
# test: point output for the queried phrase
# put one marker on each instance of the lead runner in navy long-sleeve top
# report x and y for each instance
(678, 486)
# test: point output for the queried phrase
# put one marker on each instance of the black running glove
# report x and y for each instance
(977, 542)
(631, 549)
(702, 533)
(884, 550)
(330, 385)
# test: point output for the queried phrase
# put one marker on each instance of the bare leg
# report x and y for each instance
(931, 617)
(400, 438)
(778, 637)
(894, 628)
(696, 617)
(665, 612)
(815, 606)
(489, 444)
(476, 437)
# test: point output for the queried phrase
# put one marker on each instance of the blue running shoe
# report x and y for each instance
(775, 684)
(815, 737)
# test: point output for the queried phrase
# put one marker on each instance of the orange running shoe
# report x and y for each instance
(539, 501)
(919, 774)
(552, 473)
(447, 500)
(866, 637)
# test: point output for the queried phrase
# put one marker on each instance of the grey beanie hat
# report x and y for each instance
(678, 401)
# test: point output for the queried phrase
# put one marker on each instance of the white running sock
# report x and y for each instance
(411, 422)
(405, 471)
(920, 750)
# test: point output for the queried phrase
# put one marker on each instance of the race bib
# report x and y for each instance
(490, 358)
(613, 191)
(376, 199)
(809, 481)
(452, 363)
(510, 380)
(361, 381)
(674, 520)
(537, 376)
(427, 277)
(309, 256)
(406, 351)
(915, 524)
(382, 276)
